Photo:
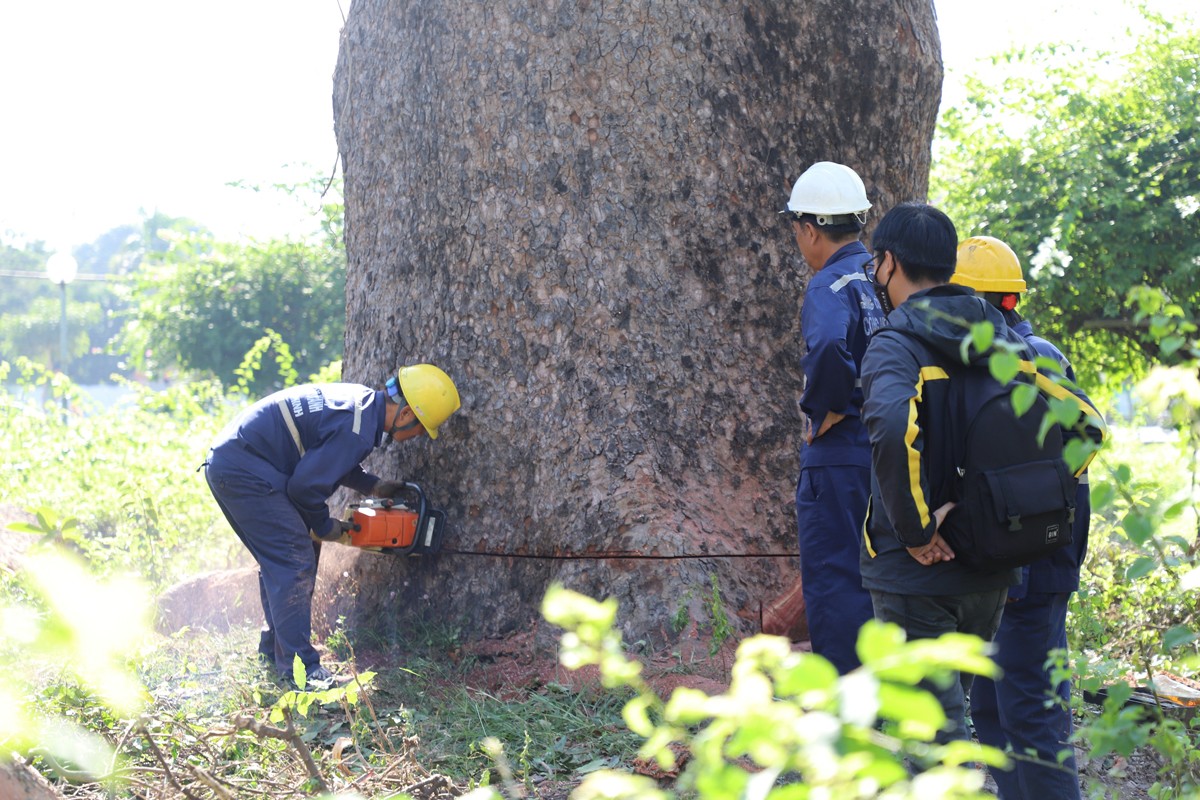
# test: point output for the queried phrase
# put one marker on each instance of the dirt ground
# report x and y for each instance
(514, 667)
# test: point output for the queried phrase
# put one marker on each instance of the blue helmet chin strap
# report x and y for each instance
(393, 391)
(401, 428)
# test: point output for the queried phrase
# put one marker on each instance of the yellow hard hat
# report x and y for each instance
(430, 393)
(987, 264)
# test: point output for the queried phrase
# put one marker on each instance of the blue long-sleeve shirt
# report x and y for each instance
(307, 441)
(1058, 572)
(840, 315)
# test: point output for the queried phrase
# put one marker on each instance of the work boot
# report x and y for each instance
(266, 646)
(318, 678)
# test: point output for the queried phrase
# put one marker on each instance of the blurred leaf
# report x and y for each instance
(917, 713)
(1102, 494)
(1004, 366)
(1023, 397)
(982, 335)
(1141, 568)
(1177, 636)
(806, 675)
(1138, 527)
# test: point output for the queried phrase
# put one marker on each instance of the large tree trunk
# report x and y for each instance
(571, 207)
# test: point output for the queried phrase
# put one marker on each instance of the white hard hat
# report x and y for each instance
(828, 190)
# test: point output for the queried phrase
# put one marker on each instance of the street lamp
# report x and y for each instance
(61, 268)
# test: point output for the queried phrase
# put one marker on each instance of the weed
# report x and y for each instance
(681, 617)
(722, 631)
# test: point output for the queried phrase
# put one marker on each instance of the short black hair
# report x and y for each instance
(844, 225)
(923, 240)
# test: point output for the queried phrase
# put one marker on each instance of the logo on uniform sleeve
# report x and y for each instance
(315, 402)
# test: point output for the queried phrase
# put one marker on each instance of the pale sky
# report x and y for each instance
(109, 108)
(112, 107)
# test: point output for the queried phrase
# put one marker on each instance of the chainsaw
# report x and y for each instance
(403, 525)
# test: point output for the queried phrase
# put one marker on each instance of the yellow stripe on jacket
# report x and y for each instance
(1047, 385)
(910, 438)
(913, 458)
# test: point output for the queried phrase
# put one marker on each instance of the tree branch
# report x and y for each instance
(289, 735)
(163, 760)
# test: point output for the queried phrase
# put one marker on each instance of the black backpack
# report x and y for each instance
(1015, 496)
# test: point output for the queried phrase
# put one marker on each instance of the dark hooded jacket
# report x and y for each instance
(906, 383)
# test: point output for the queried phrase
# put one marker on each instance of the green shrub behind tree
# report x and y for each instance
(204, 304)
(1089, 167)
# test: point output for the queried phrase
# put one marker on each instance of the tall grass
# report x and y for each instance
(127, 473)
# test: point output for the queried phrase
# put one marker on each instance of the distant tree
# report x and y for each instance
(34, 333)
(1090, 168)
(26, 257)
(176, 297)
(203, 305)
(30, 310)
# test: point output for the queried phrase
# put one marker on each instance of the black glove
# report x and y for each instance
(387, 488)
(337, 530)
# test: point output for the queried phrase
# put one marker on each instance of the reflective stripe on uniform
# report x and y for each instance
(841, 282)
(866, 536)
(291, 425)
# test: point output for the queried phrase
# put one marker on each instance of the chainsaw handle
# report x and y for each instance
(422, 515)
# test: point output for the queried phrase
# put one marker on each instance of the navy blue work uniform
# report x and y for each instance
(271, 471)
(840, 314)
(1013, 712)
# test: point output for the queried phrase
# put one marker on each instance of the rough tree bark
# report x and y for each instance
(571, 207)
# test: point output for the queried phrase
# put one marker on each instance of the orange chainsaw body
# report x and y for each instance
(377, 526)
(405, 528)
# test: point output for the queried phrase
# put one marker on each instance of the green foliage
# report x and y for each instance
(29, 324)
(557, 733)
(721, 629)
(50, 527)
(1137, 614)
(203, 305)
(329, 373)
(1093, 177)
(301, 700)
(249, 372)
(120, 487)
(788, 726)
(172, 296)
(716, 621)
(65, 640)
(34, 330)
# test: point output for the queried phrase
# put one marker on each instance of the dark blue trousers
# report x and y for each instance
(831, 504)
(931, 616)
(1022, 711)
(251, 494)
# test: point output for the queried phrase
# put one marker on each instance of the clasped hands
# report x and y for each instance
(938, 549)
